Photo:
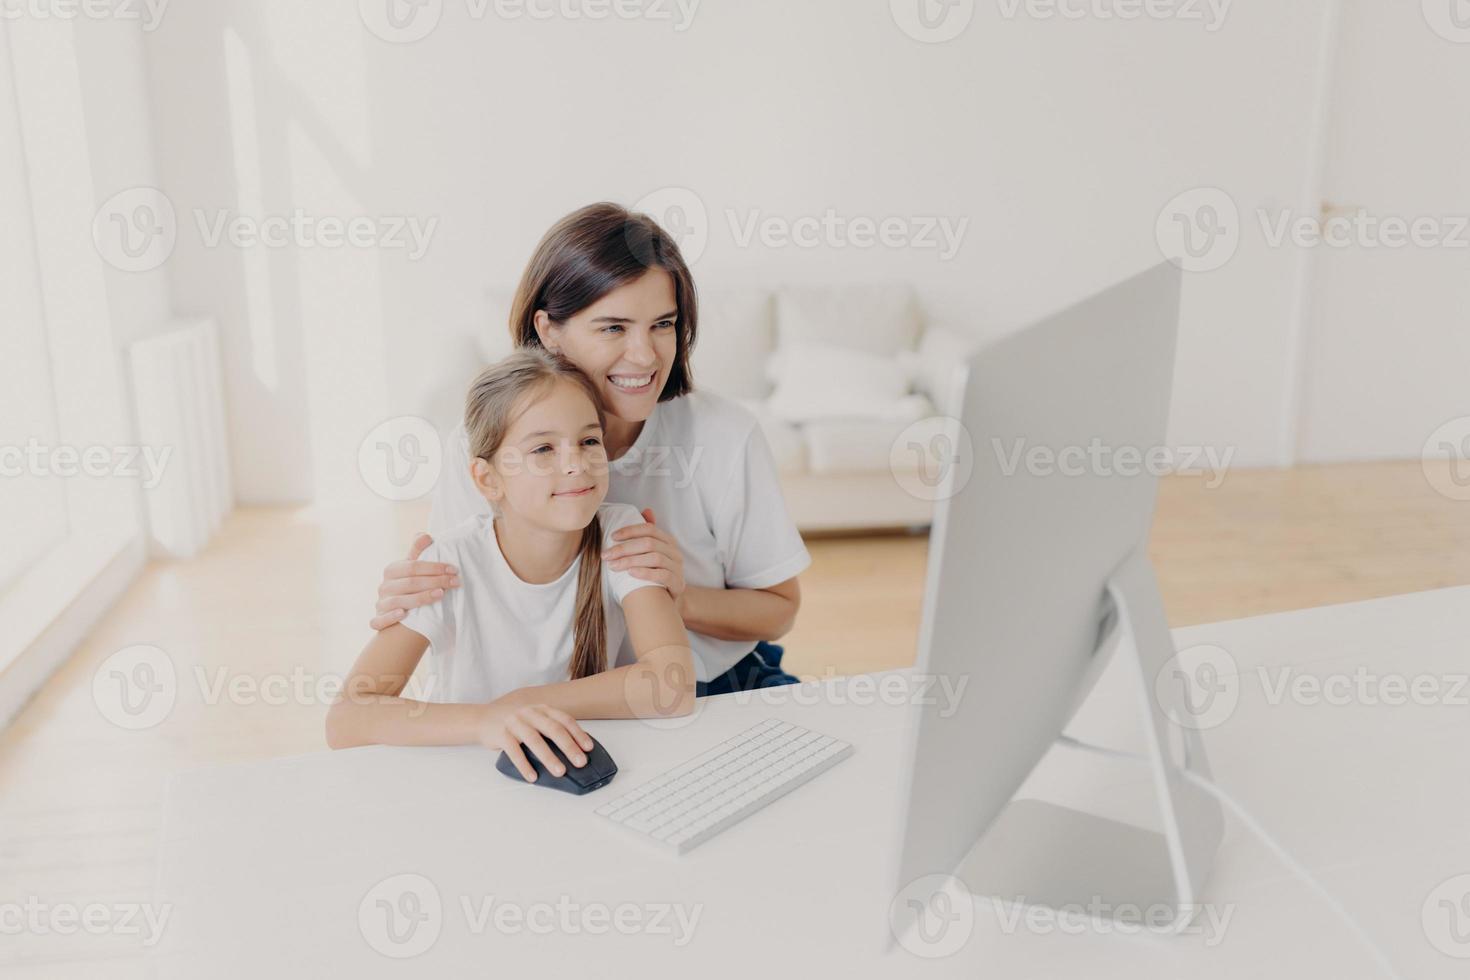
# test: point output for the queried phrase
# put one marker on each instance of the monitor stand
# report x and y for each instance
(1038, 853)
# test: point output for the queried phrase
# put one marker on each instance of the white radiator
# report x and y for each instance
(178, 398)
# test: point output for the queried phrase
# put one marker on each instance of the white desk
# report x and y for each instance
(266, 864)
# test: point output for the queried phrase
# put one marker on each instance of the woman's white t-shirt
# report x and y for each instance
(497, 633)
(703, 465)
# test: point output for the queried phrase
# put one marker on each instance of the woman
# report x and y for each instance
(608, 289)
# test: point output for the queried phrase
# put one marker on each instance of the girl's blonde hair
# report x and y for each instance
(493, 404)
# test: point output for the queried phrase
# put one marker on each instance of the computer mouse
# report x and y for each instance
(598, 772)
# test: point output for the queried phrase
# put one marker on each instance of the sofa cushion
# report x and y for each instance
(737, 332)
(854, 445)
(880, 318)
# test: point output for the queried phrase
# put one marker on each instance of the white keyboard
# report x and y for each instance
(689, 804)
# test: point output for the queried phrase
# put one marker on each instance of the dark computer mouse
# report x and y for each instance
(598, 772)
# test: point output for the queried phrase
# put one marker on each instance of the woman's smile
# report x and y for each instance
(633, 384)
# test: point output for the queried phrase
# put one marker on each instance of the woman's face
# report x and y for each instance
(626, 342)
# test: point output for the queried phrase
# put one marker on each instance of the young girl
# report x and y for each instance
(521, 651)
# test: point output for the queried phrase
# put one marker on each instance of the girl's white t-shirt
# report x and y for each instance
(703, 465)
(497, 633)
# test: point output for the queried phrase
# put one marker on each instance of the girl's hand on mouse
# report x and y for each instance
(412, 583)
(507, 725)
(650, 553)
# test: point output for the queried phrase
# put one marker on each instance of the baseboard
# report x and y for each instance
(100, 572)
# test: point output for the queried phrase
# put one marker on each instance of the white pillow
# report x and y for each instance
(818, 381)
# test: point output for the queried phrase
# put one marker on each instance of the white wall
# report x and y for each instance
(1058, 141)
(197, 143)
(120, 135)
(1390, 341)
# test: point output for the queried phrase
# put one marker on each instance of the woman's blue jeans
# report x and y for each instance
(760, 667)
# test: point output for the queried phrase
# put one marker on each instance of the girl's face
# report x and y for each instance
(626, 342)
(551, 469)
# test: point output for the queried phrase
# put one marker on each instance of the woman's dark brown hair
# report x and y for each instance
(496, 399)
(587, 255)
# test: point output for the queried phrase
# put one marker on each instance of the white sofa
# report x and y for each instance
(832, 422)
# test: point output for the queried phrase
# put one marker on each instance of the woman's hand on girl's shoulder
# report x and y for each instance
(507, 726)
(648, 552)
(411, 583)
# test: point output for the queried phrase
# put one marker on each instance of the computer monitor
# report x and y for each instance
(1038, 571)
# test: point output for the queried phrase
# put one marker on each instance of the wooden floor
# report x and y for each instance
(1263, 541)
(286, 594)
